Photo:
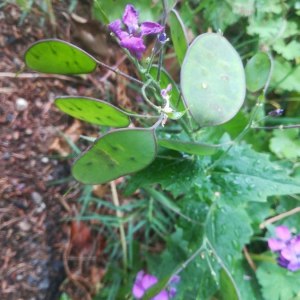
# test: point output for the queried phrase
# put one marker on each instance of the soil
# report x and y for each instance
(38, 251)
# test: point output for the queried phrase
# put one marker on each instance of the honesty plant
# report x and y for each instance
(217, 183)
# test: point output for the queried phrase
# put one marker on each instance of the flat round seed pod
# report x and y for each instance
(58, 57)
(115, 154)
(93, 111)
(212, 80)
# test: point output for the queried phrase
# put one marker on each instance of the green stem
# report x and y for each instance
(260, 257)
(146, 98)
(122, 230)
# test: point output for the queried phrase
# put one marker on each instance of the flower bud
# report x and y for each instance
(275, 113)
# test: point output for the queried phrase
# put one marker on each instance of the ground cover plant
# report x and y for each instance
(213, 154)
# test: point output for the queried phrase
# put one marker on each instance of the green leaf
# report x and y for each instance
(98, 8)
(162, 199)
(246, 281)
(220, 16)
(59, 57)
(212, 80)
(172, 171)
(258, 71)
(242, 7)
(268, 29)
(170, 4)
(155, 289)
(115, 154)
(178, 35)
(286, 75)
(93, 111)
(188, 147)
(286, 204)
(277, 283)
(165, 80)
(289, 51)
(269, 6)
(245, 175)
(176, 115)
(228, 229)
(285, 143)
(228, 288)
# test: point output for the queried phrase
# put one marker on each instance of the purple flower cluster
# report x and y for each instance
(288, 248)
(144, 281)
(131, 39)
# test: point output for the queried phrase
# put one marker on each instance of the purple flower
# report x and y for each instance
(164, 92)
(284, 235)
(275, 113)
(144, 281)
(288, 248)
(132, 39)
(291, 253)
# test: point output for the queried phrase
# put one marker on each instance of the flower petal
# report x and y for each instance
(282, 262)
(116, 28)
(148, 280)
(294, 265)
(131, 18)
(283, 233)
(135, 45)
(166, 90)
(138, 291)
(150, 28)
(172, 292)
(288, 253)
(275, 244)
(139, 276)
(162, 295)
(295, 243)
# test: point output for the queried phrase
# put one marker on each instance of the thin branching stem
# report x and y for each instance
(121, 227)
(160, 60)
(145, 96)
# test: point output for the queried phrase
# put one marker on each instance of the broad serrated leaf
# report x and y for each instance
(173, 172)
(165, 80)
(58, 57)
(115, 154)
(178, 35)
(246, 281)
(258, 70)
(269, 6)
(277, 283)
(228, 230)
(288, 51)
(220, 16)
(268, 29)
(93, 111)
(228, 288)
(212, 80)
(245, 175)
(285, 143)
(285, 76)
(242, 7)
(188, 147)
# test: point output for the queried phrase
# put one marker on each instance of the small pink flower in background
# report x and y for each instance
(132, 39)
(144, 281)
(164, 92)
(288, 248)
(284, 235)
